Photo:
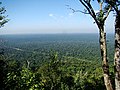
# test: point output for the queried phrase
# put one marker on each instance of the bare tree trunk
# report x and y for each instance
(28, 64)
(117, 53)
(104, 59)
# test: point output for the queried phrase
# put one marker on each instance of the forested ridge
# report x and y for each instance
(53, 62)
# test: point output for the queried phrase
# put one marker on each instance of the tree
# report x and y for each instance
(3, 20)
(115, 5)
(100, 19)
(117, 53)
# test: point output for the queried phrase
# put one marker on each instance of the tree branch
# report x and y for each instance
(105, 17)
(84, 12)
(117, 11)
(86, 7)
(90, 10)
(101, 4)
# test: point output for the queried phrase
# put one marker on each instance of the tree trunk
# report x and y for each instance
(104, 59)
(117, 53)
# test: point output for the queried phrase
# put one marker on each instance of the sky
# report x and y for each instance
(49, 16)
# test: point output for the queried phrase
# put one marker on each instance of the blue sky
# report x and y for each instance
(48, 16)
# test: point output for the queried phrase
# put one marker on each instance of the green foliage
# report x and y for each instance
(3, 19)
(3, 72)
(100, 17)
(75, 65)
(51, 73)
(24, 79)
(55, 75)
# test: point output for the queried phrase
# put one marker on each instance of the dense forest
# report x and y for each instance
(63, 61)
(53, 62)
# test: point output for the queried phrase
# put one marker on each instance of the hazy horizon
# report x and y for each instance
(53, 33)
(44, 17)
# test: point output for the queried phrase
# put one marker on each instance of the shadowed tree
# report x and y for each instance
(117, 53)
(3, 20)
(115, 5)
(100, 18)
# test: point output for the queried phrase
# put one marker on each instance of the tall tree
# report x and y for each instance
(115, 5)
(117, 53)
(100, 19)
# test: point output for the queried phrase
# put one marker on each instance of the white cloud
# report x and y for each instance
(60, 18)
(51, 15)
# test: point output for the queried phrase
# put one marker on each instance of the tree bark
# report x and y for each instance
(100, 20)
(117, 52)
(105, 65)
